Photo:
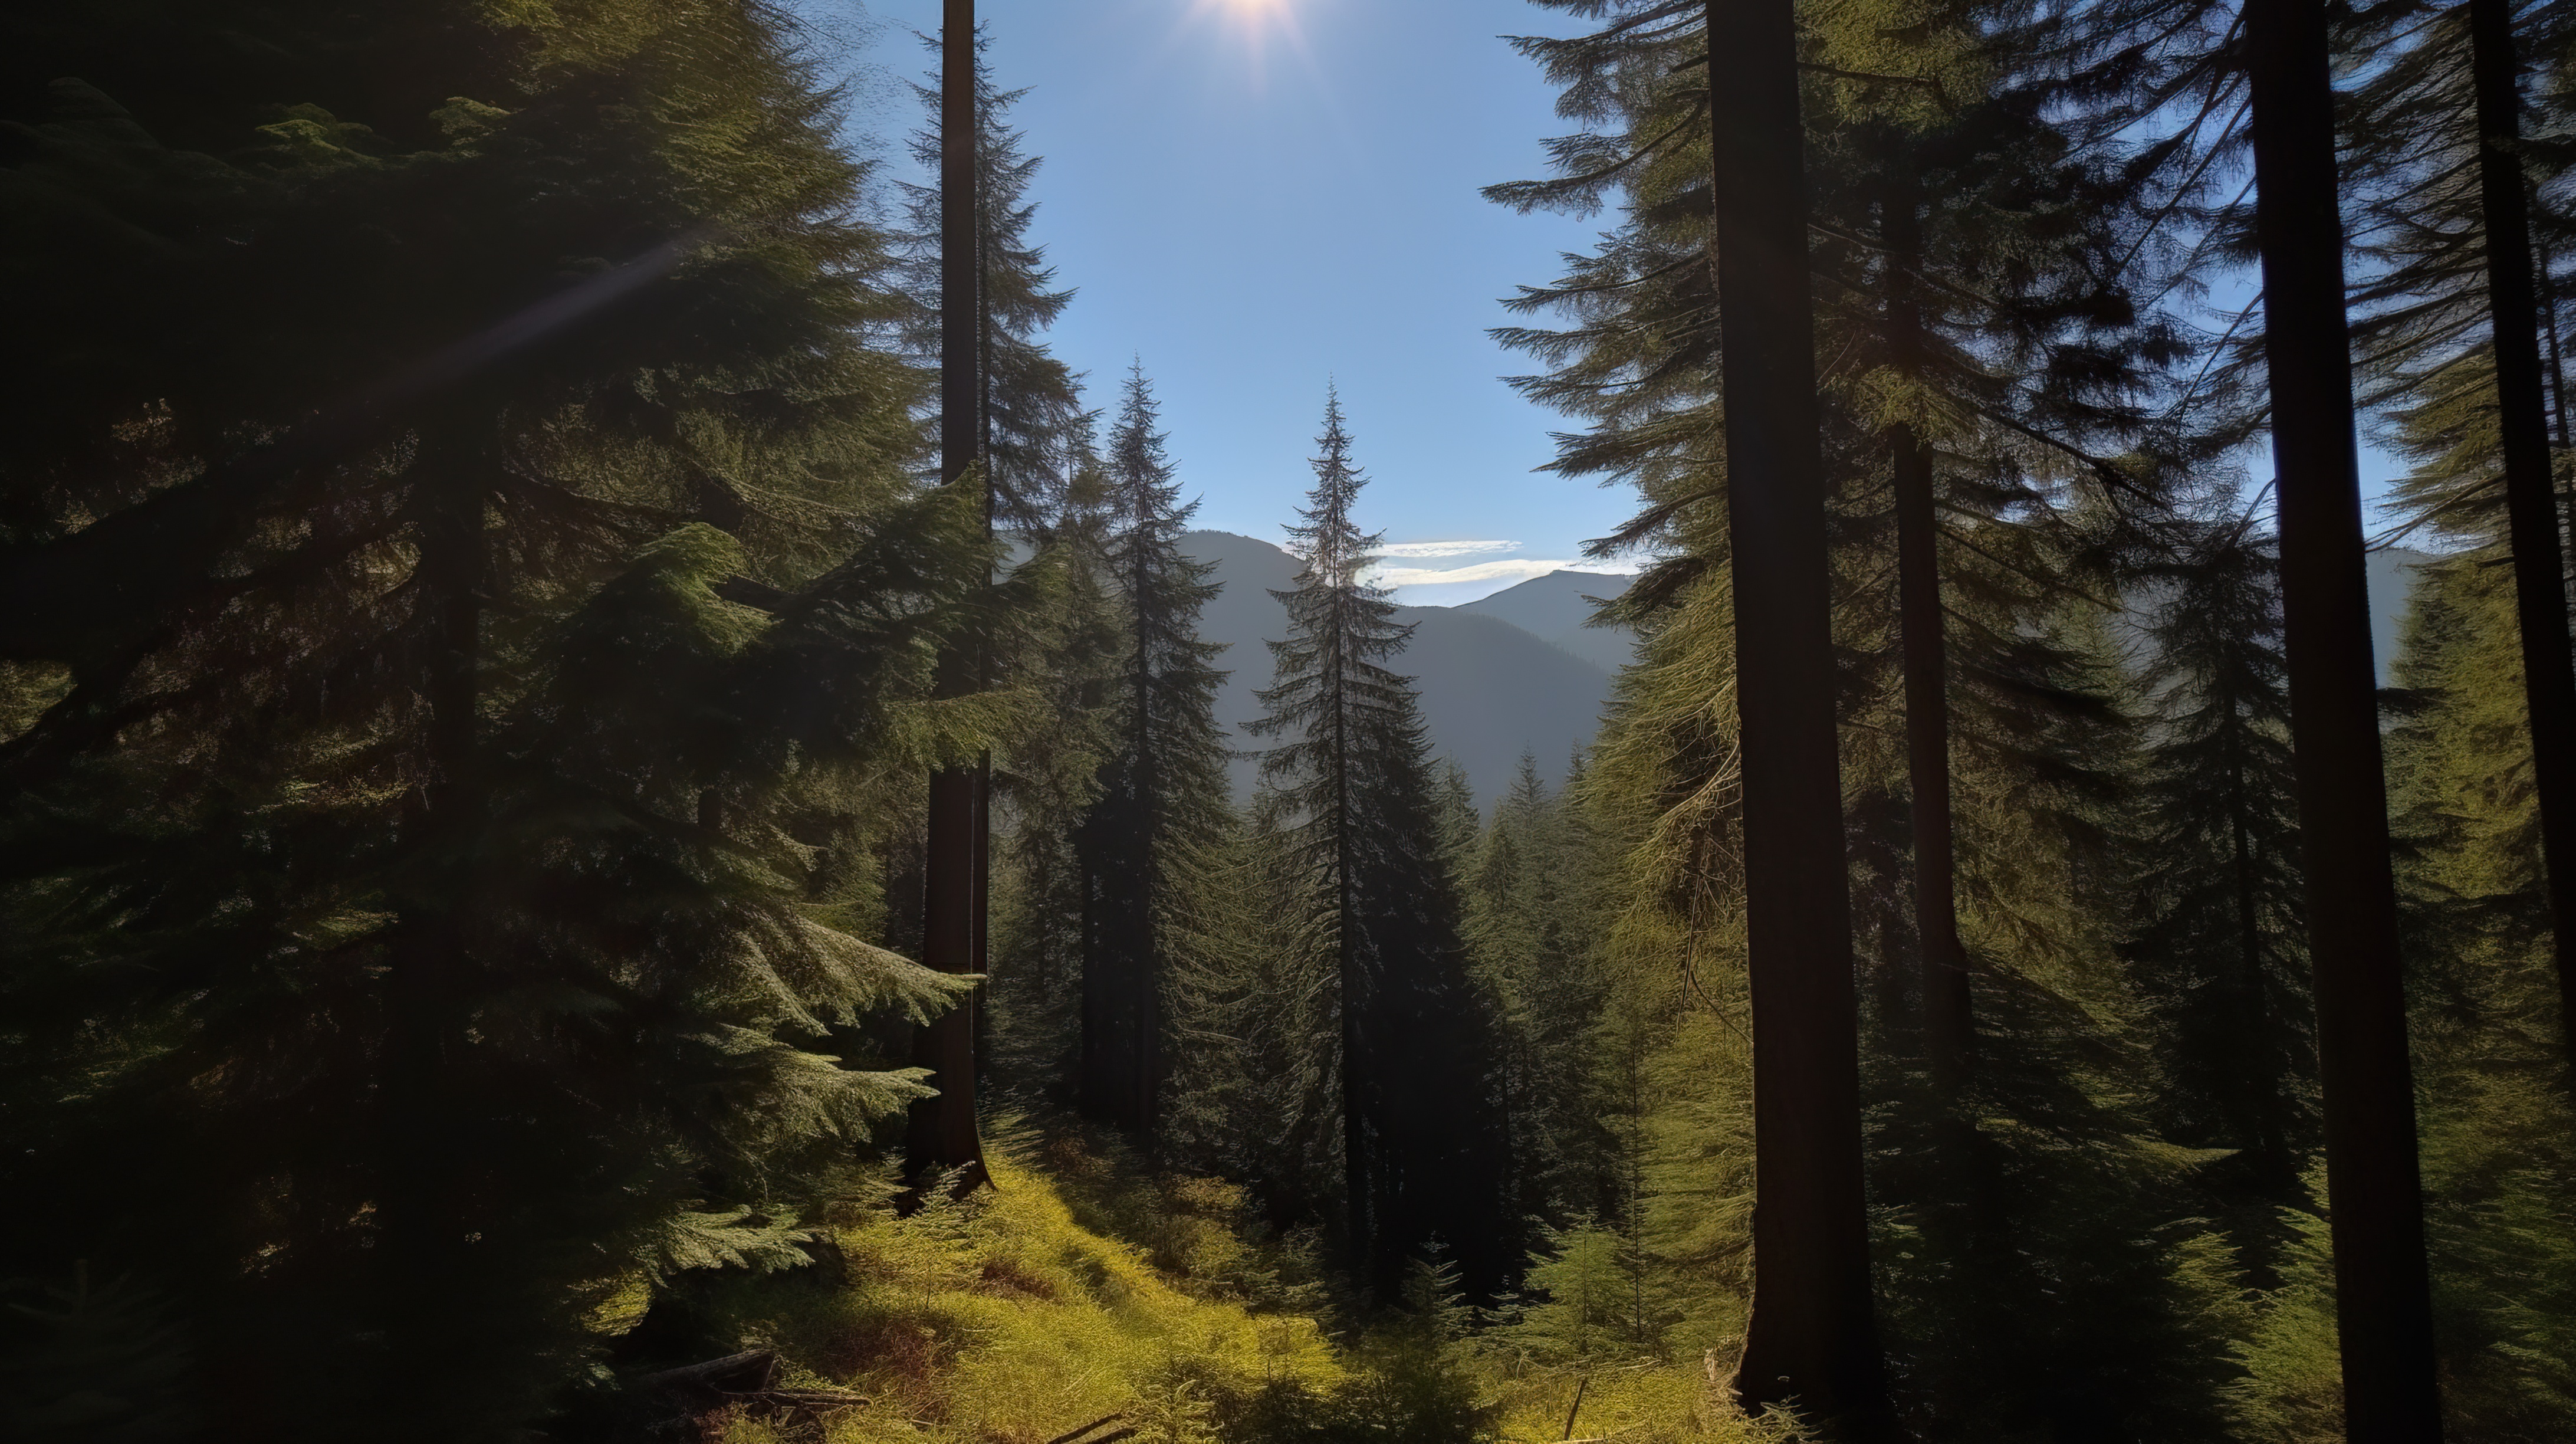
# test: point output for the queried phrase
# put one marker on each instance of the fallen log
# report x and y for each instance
(815, 1399)
(1077, 1434)
(747, 1372)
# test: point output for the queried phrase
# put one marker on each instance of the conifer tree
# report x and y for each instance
(1043, 788)
(2219, 944)
(1811, 1336)
(1153, 841)
(1351, 784)
(2036, 471)
(943, 1133)
(2382, 1299)
(1525, 919)
(421, 804)
(2532, 513)
(2500, 1139)
(2451, 323)
(1030, 401)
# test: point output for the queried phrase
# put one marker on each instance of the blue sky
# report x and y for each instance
(1255, 198)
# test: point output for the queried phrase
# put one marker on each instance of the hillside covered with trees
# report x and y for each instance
(622, 817)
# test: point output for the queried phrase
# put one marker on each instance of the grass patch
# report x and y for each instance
(1083, 1286)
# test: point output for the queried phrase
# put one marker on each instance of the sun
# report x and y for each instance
(1264, 31)
(1253, 12)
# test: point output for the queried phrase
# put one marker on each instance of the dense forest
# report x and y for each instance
(612, 825)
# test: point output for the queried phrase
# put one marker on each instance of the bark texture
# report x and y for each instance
(943, 1132)
(1811, 1337)
(2383, 1304)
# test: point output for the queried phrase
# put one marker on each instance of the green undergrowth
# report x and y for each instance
(1082, 1285)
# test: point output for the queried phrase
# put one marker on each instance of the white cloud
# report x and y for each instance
(1517, 568)
(1446, 548)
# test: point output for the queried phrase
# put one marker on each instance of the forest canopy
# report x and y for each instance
(613, 821)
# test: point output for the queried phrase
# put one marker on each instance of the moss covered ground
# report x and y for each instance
(1083, 1289)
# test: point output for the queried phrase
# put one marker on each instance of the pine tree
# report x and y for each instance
(1351, 784)
(2219, 944)
(2451, 326)
(1811, 1336)
(1525, 924)
(2373, 1177)
(943, 1134)
(1154, 841)
(2438, 321)
(1042, 791)
(2040, 470)
(2539, 554)
(2499, 1136)
(1030, 402)
(429, 867)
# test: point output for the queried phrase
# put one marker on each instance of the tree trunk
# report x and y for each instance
(426, 1149)
(1949, 1017)
(942, 1132)
(1120, 1017)
(1359, 1179)
(1811, 1336)
(2382, 1301)
(2531, 510)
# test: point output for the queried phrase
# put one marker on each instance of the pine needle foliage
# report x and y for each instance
(1350, 790)
(2219, 946)
(463, 769)
(1153, 845)
(1032, 402)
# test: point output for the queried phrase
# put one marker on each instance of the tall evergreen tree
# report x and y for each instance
(1030, 402)
(2499, 1135)
(2219, 946)
(1043, 788)
(2382, 1297)
(2531, 510)
(956, 848)
(423, 808)
(2451, 322)
(1153, 841)
(2019, 249)
(1351, 781)
(1525, 922)
(1811, 1336)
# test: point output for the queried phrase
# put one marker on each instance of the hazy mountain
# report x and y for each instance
(2392, 586)
(1519, 669)
(1490, 689)
(1555, 607)
(2391, 574)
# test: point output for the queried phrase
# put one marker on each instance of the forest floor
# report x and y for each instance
(1083, 1290)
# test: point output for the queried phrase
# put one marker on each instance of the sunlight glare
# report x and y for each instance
(1260, 21)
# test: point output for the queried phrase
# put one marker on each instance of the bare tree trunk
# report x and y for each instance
(943, 1132)
(1949, 1016)
(2382, 1301)
(1811, 1337)
(423, 1202)
(2531, 510)
(1121, 1014)
(1359, 1097)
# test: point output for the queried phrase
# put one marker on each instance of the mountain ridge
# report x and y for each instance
(1490, 689)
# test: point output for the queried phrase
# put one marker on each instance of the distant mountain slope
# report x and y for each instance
(2391, 577)
(2392, 588)
(1489, 689)
(1555, 607)
(1518, 670)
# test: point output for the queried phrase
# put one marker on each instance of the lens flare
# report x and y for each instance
(1261, 29)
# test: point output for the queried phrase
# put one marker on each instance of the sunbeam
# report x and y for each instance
(1262, 25)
